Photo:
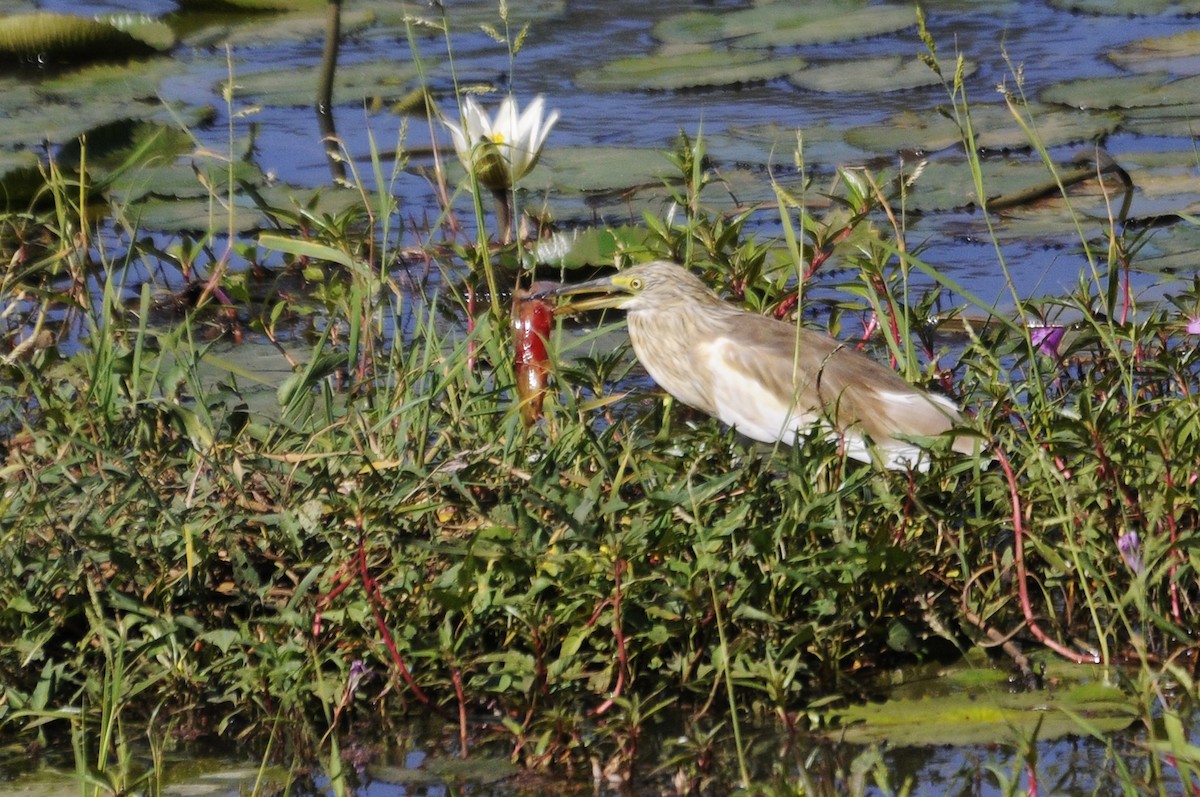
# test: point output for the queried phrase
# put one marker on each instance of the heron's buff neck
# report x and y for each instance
(663, 335)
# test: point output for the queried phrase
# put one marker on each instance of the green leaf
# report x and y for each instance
(995, 128)
(303, 248)
(64, 38)
(223, 638)
(868, 75)
(675, 68)
(783, 24)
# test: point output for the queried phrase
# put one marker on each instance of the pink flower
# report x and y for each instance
(1193, 325)
(1046, 340)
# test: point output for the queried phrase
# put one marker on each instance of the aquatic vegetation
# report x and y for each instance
(293, 497)
(500, 151)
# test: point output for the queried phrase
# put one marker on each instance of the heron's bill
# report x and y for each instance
(610, 292)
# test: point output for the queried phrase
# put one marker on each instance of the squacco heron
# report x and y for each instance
(768, 379)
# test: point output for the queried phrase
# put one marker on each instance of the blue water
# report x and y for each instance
(1044, 44)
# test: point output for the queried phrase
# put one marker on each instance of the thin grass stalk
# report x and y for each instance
(727, 676)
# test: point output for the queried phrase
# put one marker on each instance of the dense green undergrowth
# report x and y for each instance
(393, 541)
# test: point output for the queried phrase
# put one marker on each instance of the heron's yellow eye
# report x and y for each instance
(635, 284)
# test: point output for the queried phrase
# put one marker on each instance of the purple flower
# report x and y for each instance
(1193, 325)
(1047, 339)
(358, 671)
(1130, 548)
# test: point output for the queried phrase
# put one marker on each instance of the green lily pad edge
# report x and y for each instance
(973, 703)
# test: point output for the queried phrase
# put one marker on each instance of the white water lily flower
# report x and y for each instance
(501, 151)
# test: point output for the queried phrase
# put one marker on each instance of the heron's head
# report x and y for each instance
(652, 286)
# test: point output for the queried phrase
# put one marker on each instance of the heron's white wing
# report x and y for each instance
(748, 396)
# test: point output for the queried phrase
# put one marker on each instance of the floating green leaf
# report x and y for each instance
(1171, 251)
(130, 81)
(1126, 91)
(1178, 54)
(773, 146)
(1130, 8)
(862, 75)
(257, 5)
(594, 169)
(1018, 188)
(964, 710)
(1180, 121)
(20, 179)
(261, 29)
(386, 81)
(672, 68)
(592, 246)
(994, 125)
(164, 213)
(64, 38)
(782, 24)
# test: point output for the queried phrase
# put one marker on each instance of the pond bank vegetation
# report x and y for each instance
(192, 552)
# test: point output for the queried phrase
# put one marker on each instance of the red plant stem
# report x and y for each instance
(1107, 469)
(456, 677)
(376, 600)
(1022, 580)
(893, 327)
(341, 581)
(868, 330)
(819, 256)
(817, 260)
(1171, 527)
(785, 307)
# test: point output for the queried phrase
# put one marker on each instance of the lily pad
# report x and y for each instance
(1175, 250)
(63, 106)
(1130, 8)
(125, 145)
(133, 80)
(782, 24)
(61, 38)
(966, 719)
(1178, 54)
(1177, 121)
(1126, 91)
(304, 24)
(592, 246)
(475, 771)
(869, 75)
(353, 84)
(20, 180)
(994, 125)
(595, 169)
(959, 709)
(61, 123)
(201, 213)
(772, 147)
(472, 15)
(618, 184)
(673, 68)
(257, 5)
